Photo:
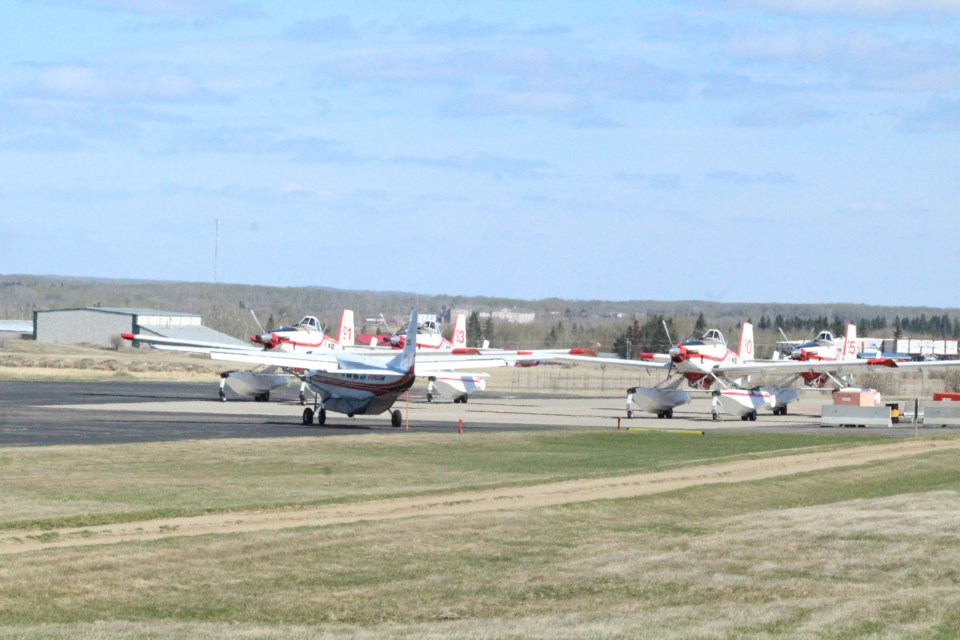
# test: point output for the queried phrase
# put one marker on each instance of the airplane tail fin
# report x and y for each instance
(745, 350)
(345, 337)
(850, 343)
(459, 337)
(407, 357)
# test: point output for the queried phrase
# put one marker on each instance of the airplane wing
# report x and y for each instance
(488, 359)
(325, 361)
(840, 367)
(189, 346)
(285, 359)
(617, 362)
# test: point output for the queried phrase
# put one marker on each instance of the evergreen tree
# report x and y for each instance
(700, 326)
(488, 329)
(474, 331)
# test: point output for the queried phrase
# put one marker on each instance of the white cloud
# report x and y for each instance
(861, 8)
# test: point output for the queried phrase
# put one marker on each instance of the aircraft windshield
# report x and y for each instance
(310, 321)
(714, 335)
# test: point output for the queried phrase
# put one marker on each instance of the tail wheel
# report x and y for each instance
(308, 416)
(396, 418)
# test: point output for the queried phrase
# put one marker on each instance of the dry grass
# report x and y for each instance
(865, 553)
(29, 360)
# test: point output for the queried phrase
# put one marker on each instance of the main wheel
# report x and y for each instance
(223, 396)
(429, 397)
(629, 414)
(322, 417)
(308, 416)
(463, 398)
(753, 416)
(668, 413)
(396, 418)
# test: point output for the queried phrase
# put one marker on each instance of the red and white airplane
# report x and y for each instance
(429, 337)
(306, 335)
(696, 361)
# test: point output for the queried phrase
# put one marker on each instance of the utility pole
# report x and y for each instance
(216, 251)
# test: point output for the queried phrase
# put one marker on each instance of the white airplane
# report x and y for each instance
(361, 384)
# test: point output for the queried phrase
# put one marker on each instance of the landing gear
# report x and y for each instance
(308, 414)
(752, 416)
(429, 397)
(262, 397)
(629, 414)
(667, 413)
(462, 399)
(223, 396)
(396, 418)
(780, 411)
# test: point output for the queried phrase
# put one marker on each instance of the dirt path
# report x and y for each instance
(513, 498)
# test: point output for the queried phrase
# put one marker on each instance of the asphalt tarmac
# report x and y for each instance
(71, 413)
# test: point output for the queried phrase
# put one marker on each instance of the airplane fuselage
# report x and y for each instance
(359, 393)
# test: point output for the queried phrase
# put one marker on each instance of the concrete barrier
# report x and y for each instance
(841, 416)
(940, 414)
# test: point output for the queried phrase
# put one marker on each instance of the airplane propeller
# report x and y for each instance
(259, 326)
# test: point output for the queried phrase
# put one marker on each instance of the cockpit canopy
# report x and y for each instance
(310, 322)
(712, 336)
(824, 338)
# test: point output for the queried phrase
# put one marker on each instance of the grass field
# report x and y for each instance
(868, 551)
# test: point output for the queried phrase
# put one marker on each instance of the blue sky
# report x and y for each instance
(730, 150)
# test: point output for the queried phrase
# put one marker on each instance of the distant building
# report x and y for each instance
(509, 315)
(102, 326)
